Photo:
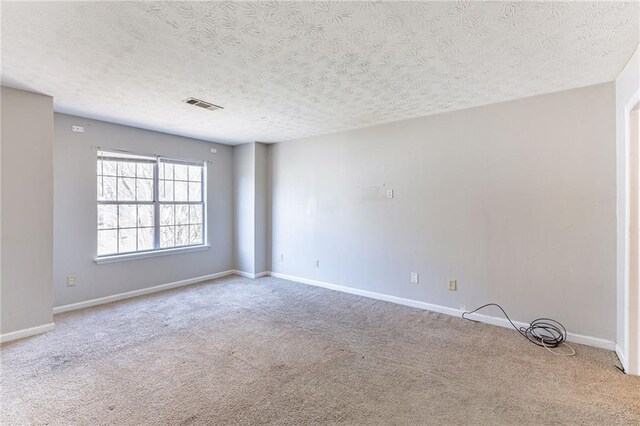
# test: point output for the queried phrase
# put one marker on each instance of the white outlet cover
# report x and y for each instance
(214, 151)
(77, 129)
(415, 278)
(389, 193)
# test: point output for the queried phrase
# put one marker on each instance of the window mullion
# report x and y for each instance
(156, 205)
(117, 211)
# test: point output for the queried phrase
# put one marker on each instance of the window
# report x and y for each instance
(149, 203)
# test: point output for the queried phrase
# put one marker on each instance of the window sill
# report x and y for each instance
(147, 254)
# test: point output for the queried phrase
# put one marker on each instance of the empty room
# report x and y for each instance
(331, 212)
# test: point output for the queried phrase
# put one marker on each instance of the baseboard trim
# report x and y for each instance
(501, 322)
(622, 358)
(26, 332)
(136, 293)
(250, 275)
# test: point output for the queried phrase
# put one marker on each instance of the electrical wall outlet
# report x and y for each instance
(77, 129)
(453, 285)
(214, 151)
(415, 278)
(71, 281)
(317, 263)
(463, 308)
(389, 193)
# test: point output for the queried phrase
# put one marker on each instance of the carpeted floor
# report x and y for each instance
(241, 351)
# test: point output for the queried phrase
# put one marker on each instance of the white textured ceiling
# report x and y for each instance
(288, 70)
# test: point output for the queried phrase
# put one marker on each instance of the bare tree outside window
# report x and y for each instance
(148, 203)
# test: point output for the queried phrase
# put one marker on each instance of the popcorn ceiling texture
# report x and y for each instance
(289, 70)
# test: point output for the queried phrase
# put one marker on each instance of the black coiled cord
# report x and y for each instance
(543, 332)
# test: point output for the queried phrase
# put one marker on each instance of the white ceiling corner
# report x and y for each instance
(284, 71)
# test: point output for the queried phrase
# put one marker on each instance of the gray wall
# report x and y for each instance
(27, 210)
(75, 211)
(517, 201)
(250, 203)
(244, 207)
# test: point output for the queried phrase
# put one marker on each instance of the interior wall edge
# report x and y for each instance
(627, 86)
(27, 210)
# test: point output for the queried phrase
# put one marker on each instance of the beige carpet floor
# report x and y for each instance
(240, 351)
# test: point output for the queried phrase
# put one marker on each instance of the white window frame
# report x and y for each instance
(157, 250)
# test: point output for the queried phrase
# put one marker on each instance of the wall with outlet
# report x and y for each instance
(511, 203)
(76, 276)
(27, 210)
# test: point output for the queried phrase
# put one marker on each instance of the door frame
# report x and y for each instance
(631, 296)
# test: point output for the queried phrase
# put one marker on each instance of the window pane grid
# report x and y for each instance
(127, 202)
(125, 228)
(180, 183)
(181, 224)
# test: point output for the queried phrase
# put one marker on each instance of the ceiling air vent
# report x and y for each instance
(202, 104)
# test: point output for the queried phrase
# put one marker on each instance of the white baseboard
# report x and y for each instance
(136, 293)
(502, 322)
(622, 358)
(250, 275)
(27, 332)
